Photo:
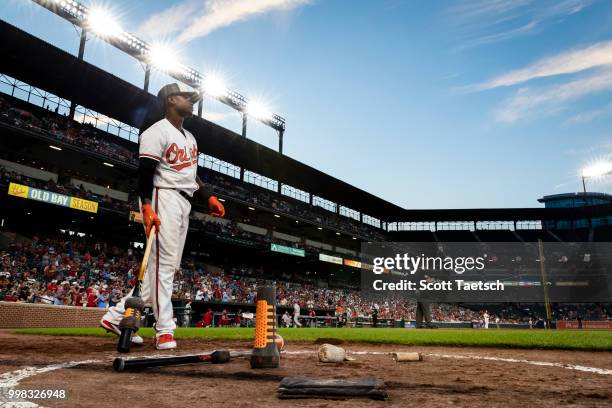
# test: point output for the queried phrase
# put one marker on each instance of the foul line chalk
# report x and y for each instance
(595, 370)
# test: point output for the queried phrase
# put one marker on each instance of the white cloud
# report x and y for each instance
(492, 21)
(590, 116)
(501, 36)
(169, 21)
(472, 9)
(569, 62)
(221, 13)
(527, 102)
(192, 19)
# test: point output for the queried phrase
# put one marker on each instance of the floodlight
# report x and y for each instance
(597, 169)
(214, 86)
(162, 58)
(102, 23)
(258, 110)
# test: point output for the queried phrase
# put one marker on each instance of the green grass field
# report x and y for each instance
(569, 340)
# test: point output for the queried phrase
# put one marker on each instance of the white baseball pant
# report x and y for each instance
(165, 258)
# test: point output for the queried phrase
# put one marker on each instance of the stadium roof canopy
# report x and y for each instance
(45, 66)
(505, 214)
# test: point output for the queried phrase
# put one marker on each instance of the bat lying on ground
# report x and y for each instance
(216, 357)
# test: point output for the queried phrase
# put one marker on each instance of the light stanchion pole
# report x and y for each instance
(82, 42)
(147, 77)
(544, 282)
(244, 124)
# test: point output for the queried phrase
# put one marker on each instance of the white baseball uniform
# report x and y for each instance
(177, 154)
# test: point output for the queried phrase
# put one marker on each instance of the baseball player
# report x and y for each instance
(296, 314)
(167, 180)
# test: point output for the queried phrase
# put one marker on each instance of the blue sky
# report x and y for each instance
(455, 104)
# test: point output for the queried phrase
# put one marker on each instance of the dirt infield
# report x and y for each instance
(472, 377)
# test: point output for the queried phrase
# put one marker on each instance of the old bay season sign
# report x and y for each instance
(31, 193)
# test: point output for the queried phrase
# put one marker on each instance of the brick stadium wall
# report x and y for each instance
(17, 315)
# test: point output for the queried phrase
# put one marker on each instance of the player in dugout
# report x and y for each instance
(167, 182)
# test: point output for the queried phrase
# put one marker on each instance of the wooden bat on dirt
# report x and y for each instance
(216, 357)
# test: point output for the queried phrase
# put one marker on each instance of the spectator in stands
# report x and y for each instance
(102, 300)
(313, 317)
(77, 299)
(238, 318)
(207, 319)
(115, 297)
(375, 316)
(91, 297)
(47, 297)
(224, 319)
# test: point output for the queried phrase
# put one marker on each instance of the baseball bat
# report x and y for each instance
(134, 305)
(216, 357)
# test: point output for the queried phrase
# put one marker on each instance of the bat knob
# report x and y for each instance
(220, 357)
(119, 364)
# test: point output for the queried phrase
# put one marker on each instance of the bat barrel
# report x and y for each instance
(217, 357)
(125, 340)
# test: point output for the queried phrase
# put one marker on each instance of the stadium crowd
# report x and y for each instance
(70, 270)
(81, 135)
(233, 188)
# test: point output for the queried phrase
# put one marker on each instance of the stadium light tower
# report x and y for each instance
(596, 170)
(258, 110)
(101, 23)
(214, 86)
